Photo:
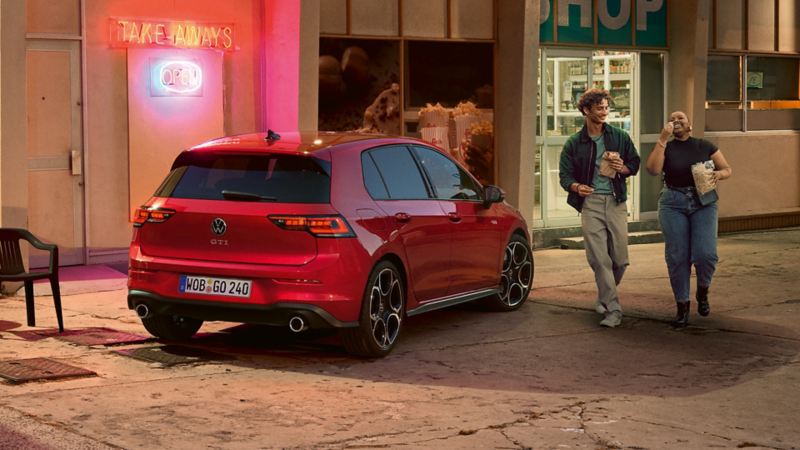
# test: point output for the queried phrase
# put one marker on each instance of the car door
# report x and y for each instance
(476, 234)
(416, 219)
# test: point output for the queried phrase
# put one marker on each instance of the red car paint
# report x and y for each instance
(442, 250)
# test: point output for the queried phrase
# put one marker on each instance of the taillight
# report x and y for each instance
(320, 226)
(152, 215)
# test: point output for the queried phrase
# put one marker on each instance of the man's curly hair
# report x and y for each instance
(593, 97)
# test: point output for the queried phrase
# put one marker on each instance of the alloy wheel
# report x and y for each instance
(385, 308)
(517, 273)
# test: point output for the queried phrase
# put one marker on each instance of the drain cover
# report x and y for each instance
(24, 370)
(100, 336)
(171, 355)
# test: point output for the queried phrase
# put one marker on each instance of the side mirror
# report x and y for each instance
(492, 194)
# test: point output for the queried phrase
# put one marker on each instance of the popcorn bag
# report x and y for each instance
(436, 136)
(703, 182)
(605, 167)
(434, 116)
(462, 126)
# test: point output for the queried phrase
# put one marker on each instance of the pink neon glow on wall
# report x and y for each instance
(282, 64)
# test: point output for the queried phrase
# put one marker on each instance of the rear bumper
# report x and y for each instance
(276, 314)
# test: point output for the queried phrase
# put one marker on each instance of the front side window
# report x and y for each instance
(399, 173)
(448, 180)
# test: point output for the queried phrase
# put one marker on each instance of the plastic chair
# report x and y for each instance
(12, 269)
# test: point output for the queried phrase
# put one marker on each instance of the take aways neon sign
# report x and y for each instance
(151, 33)
(175, 78)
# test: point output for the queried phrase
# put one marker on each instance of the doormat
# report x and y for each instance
(100, 336)
(171, 355)
(34, 369)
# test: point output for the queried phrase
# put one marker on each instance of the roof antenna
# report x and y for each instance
(272, 136)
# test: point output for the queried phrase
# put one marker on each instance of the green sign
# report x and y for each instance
(573, 21)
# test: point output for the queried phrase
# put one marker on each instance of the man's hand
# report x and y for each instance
(619, 165)
(582, 189)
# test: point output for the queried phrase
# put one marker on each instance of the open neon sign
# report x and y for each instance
(175, 78)
(180, 77)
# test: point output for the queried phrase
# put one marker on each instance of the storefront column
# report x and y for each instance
(13, 139)
(290, 62)
(516, 66)
(688, 59)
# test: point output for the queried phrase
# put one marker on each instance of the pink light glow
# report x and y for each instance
(282, 67)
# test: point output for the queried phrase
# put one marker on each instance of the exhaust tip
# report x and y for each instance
(142, 311)
(297, 324)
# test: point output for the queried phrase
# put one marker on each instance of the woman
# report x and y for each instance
(688, 220)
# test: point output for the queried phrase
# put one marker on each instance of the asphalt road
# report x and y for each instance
(547, 376)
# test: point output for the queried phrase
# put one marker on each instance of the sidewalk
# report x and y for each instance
(546, 376)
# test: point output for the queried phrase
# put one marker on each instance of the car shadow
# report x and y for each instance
(540, 348)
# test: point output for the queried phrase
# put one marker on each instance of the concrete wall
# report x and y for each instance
(107, 105)
(766, 175)
(516, 66)
(13, 164)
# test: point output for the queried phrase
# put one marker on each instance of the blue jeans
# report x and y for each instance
(690, 238)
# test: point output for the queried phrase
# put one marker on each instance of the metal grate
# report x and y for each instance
(171, 355)
(33, 369)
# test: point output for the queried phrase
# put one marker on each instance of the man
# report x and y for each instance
(601, 199)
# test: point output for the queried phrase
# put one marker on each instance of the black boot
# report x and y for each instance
(682, 316)
(703, 308)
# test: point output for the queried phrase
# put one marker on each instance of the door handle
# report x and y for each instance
(75, 162)
(454, 217)
(402, 217)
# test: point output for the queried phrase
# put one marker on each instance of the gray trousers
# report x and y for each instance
(605, 237)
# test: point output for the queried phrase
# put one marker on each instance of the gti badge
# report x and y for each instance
(218, 226)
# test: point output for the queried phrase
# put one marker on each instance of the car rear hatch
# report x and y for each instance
(233, 208)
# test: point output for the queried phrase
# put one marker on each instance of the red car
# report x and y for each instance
(326, 230)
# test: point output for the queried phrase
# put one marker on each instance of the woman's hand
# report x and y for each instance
(666, 132)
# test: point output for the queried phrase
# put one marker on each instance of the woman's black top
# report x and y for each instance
(679, 157)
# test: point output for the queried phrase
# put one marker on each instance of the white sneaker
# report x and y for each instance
(613, 319)
(600, 308)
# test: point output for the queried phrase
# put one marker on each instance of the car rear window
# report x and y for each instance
(274, 178)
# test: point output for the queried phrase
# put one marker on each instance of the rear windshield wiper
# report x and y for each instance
(246, 196)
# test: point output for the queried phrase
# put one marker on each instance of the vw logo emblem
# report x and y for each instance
(218, 226)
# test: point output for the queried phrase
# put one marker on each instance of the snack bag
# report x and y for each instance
(437, 136)
(434, 116)
(703, 182)
(605, 167)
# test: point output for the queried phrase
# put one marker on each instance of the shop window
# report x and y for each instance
(353, 74)
(449, 73)
(773, 93)
(652, 85)
(771, 99)
(723, 80)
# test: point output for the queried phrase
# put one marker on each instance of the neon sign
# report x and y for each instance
(175, 78)
(166, 33)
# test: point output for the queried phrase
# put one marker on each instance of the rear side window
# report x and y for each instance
(398, 172)
(273, 178)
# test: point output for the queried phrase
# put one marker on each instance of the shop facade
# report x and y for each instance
(98, 96)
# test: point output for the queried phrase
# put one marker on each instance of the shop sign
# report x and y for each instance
(167, 33)
(175, 78)
(573, 22)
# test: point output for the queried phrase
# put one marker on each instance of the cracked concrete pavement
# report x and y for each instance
(546, 376)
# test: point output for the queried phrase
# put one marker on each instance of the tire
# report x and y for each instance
(171, 327)
(516, 278)
(381, 318)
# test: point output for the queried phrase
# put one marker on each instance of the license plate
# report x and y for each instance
(228, 287)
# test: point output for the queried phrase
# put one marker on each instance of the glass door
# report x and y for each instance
(564, 76)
